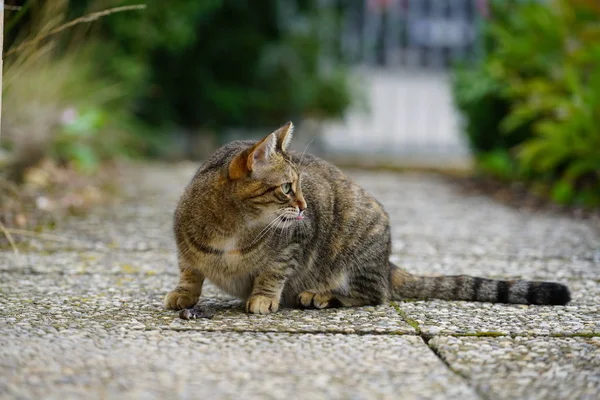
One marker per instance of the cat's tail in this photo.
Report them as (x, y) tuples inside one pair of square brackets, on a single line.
[(470, 288)]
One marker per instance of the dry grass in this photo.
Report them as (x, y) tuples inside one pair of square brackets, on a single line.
[(85, 19), (39, 84), (10, 239)]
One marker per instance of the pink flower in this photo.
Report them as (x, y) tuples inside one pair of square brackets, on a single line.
[(68, 116)]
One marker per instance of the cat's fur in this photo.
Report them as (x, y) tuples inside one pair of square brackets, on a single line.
[(326, 243)]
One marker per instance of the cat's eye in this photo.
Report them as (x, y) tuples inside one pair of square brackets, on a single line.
[(286, 188)]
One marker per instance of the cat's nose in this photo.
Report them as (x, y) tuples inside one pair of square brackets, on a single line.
[(301, 205)]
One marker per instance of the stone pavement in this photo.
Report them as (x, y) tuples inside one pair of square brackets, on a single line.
[(82, 316)]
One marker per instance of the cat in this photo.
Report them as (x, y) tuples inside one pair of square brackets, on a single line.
[(276, 228)]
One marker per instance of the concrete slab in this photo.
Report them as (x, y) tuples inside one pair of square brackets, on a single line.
[(201, 365), (581, 317), (433, 218), (525, 368), (499, 267), (81, 315), (51, 303)]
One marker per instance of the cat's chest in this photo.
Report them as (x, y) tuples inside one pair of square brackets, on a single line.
[(233, 255), (231, 268)]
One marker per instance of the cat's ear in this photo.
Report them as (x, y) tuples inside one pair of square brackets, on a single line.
[(284, 136), (262, 152), (256, 156)]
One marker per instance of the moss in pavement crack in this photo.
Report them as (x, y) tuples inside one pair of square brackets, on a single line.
[(406, 318)]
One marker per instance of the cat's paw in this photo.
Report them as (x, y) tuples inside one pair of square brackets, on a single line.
[(262, 305), (180, 299), (314, 300)]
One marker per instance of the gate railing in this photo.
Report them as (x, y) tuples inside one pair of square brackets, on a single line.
[(402, 50)]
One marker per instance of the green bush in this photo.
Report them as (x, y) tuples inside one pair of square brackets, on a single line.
[(187, 66), (55, 103), (535, 98), (207, 65)]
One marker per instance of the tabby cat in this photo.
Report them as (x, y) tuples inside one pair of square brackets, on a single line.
[(277, 228)]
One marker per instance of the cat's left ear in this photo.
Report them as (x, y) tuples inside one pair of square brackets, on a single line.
[(284, 136), (253, 158)]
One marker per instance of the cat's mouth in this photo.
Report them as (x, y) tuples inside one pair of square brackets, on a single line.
[(295, 216)]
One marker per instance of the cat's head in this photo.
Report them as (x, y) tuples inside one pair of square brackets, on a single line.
[(265, 182)]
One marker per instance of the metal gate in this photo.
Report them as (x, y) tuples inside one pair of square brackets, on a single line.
[(401, 51)]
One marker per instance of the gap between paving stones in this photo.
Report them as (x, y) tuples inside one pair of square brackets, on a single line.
[(422, 335), (468, 381), (462, 376)]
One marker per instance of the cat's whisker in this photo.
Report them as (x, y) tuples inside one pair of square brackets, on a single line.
[(266, 229), (282, 221), (271, 229)]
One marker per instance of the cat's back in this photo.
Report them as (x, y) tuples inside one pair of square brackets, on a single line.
[(330, 192), (220, 159), (313, 168)]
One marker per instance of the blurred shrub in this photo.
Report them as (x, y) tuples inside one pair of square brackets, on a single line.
[(207, 65), (40, 84), (193, 66), (532, 106)]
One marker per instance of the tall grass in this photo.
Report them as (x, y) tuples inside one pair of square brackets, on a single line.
[(45, 78), (55, 107)]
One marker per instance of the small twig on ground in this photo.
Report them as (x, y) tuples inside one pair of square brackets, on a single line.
[(86, 18), (37, 235), (10, 187), (12, 8), (9, 237), (52, 238)]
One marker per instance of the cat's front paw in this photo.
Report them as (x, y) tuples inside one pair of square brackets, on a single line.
[(179, 299), (262, 305)]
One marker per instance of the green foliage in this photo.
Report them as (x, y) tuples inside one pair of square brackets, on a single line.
[(207, 65), (55, 103), (130, 78), (479, 96), (90, 135), (497, 163), (536, 98), (76, 141)]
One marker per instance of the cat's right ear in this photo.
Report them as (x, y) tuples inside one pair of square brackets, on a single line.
[(284, 136), (256, 156)]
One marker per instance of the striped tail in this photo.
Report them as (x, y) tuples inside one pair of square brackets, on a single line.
[(469, 288)]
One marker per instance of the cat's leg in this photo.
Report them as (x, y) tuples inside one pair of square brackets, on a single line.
[(310, 299), (266, 291), (188, 290)]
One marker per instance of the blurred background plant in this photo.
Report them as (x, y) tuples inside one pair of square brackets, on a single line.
[(177, 79), (532, 105), (202, 67), (147, 82)]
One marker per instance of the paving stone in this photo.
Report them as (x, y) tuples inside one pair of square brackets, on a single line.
[(431, 217), (525, 368), (134, 301), (110, 262), (551, 269), (580, 317), (163, 260), (204, 365), (81, 311)]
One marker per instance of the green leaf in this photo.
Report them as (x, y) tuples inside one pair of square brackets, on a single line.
[(562, 192), (579, 168), (87, 123), (83, 157)]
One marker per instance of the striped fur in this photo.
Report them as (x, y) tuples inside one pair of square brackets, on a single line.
[(469, 288), (278, 228)]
